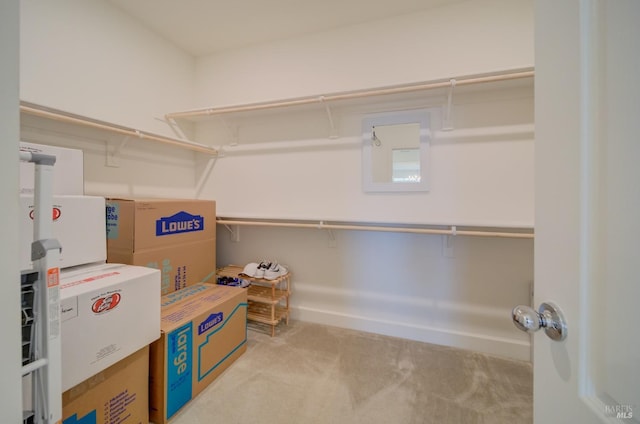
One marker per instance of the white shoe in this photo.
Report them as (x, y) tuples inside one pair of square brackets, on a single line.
[(262, 268), (275, 271), (250, 269)]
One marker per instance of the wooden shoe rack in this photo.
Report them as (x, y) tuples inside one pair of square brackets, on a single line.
[(268, 299)]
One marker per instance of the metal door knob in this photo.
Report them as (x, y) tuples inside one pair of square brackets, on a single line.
[(548, 317)]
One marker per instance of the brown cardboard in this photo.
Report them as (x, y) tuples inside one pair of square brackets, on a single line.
[(180, 265), (176, 236), (120, 393), (138, 224), (204, 331)]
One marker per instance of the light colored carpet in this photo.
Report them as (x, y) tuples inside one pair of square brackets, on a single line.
[(315, 374)]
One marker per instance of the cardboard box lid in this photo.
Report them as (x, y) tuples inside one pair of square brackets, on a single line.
[(186, 304), (75, 282)]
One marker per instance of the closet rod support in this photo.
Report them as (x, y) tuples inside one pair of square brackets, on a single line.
[(332, 128), (112, 156), (234, 132), (448, 119), (235, 232), (206, 173), (332, 238), (175, 128)]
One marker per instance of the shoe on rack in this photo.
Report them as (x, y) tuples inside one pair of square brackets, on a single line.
[(262, 267), (274, 271), (250, 269)]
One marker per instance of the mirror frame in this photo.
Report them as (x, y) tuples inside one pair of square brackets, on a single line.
[(421, 116)]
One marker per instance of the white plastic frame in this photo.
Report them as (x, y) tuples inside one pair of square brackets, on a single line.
[(421, 116)]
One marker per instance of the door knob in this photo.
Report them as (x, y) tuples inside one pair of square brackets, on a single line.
[(548, 317)]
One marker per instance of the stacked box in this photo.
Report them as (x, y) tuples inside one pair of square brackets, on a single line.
[(68, 172), (204, 330), (178, 237), (107, 312), (78, 225), (119, 394)]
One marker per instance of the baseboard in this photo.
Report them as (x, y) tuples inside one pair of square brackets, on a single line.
[(498, 346)]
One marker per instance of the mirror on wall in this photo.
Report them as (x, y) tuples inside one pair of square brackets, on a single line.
[(395, 151)]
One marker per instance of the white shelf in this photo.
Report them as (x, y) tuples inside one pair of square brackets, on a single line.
[(40, 111), (326, 99)]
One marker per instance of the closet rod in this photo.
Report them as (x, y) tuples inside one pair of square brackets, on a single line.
[(116, 129), (350, 95), (452, 231)]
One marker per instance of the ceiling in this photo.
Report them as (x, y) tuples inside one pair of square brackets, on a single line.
[(203, 27)]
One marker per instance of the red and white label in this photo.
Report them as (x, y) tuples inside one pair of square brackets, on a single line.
[(90, 279), (53, 277), (106, 303), (55, 213)]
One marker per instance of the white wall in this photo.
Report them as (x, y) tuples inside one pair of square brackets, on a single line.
[(89, 58), (284, 166), (10, 394), (473, 179), (488, 182), (465, 38), (397, 284), (402, 285)]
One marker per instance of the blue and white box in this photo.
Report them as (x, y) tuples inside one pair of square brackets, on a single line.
[(204, 330)]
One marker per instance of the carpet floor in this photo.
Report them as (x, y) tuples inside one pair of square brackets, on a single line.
[(315, 374)]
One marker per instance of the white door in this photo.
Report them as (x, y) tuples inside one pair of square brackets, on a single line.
[(587, 247)]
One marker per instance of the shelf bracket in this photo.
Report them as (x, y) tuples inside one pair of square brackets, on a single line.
[(112, 156), (447, 243), (206, 172), (332, 238), (330, 234), (448, 118), (175, 128), (234, 133), (333, 134), (235, 232)]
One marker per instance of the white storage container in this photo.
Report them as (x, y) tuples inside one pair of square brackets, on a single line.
[(108, 312), (68, 172), (79, 225)]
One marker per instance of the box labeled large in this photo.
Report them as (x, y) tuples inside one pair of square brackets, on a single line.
[(108, 312), (119, 394), (204, 330), (180, 265), (68, 172), (135, 225), (78, 224)]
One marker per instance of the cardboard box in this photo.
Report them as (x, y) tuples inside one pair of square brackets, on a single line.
[(175, 236), (180, 265), (136, 225), (204, 330), (68, 172), (108, 312), (78, 224), (119, 394)]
